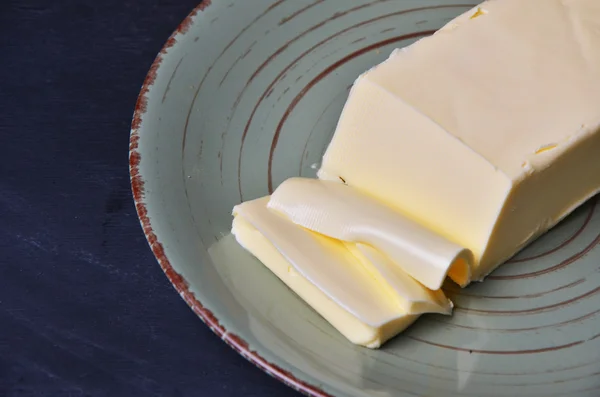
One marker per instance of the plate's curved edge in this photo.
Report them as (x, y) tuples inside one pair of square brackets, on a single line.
[(178, 281)]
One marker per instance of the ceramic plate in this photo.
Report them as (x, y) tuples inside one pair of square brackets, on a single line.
[(246, 94)]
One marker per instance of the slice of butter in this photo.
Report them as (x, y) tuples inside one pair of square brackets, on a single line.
[(344, 213), (349, 292), (487, 132)]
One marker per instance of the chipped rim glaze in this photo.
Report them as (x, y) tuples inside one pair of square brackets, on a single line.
[(180, 284)]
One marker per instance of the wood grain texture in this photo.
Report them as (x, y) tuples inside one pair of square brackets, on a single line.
[(84, 308)]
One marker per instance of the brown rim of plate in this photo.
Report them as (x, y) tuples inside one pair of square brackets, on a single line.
[(180, 284)]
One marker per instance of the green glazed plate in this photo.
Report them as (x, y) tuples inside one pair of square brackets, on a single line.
[(245, 94)]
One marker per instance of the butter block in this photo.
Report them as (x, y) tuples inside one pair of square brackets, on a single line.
[(349, 291), (487, 132), (344, 213)]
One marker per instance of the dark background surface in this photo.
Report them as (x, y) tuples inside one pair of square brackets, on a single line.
[(85, 310)]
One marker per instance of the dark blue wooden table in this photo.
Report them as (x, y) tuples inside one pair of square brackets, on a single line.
[(84, 308)]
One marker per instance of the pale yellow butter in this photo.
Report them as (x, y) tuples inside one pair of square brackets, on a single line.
[(476, 140), (486, 132), (367, 302)]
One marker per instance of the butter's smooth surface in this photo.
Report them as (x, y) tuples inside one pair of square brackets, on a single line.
[(344, 213), (325, 274), (487, 131)]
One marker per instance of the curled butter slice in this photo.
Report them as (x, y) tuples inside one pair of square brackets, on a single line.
[(340, 285), (342, 212)]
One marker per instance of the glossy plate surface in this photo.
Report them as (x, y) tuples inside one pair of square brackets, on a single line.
[(246, 94)]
